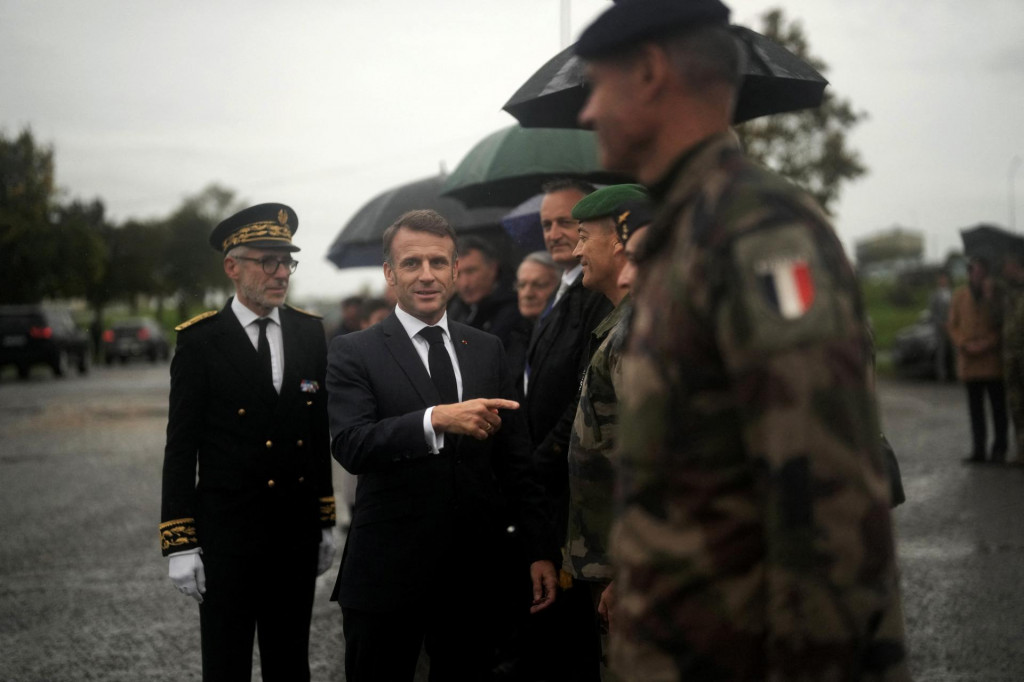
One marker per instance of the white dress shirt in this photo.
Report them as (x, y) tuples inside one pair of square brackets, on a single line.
[(248, 320), (412, 327), (569, 278)]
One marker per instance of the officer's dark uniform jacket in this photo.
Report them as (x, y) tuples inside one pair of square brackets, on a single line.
[(263, 458)]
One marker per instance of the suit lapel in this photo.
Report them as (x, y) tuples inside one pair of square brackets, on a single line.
[(292, 353), (550, 321), (237, 349), (467, 368), (400, 346)]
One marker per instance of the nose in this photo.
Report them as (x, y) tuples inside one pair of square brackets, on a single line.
[(426, 273), (625, 280), (576, 250)]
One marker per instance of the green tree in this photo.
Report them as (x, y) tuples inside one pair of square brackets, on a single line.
[(27, 200), (190, 268), (809, 147), (80, 251), (136, 255)]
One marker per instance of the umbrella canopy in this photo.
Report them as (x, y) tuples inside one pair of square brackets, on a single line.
[(991, 243), (509, 166), (775, 81), (359, 242), (523, 224)]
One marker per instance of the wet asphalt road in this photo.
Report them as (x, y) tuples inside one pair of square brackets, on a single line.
[(84, 593)]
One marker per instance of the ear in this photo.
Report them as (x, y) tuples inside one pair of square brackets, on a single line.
[(389, 274), (231, 268), (653, 71)]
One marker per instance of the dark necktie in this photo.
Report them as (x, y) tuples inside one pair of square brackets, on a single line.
[(263, 352), (440, 364)]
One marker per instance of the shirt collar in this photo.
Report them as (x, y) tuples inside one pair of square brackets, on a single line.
[(569, 276), (247, 317), (413, 325)]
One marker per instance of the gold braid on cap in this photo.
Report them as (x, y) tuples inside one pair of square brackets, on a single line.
[(623, 226), (264, 231)]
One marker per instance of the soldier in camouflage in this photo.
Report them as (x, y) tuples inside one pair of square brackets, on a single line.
[(605, 220), (752, 538)]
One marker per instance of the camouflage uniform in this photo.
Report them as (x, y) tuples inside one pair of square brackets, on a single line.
[(591, 473), (1013, 360), (591, 483), (752, 539)]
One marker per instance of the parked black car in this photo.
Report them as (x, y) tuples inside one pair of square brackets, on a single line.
[(923, 350), (141, 337), (34, 334)]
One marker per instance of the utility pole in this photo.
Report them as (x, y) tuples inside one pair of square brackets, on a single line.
[(1010, 176)]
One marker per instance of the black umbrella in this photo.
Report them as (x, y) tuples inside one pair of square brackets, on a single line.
[(358, 243), (775, 81), (991, 243)]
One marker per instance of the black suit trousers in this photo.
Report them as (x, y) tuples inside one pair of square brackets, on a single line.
[(276, 604), (456, 630)]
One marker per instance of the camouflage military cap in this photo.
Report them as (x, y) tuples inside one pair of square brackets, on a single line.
[(629, 22)]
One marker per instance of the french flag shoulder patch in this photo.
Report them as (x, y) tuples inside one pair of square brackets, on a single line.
[(787, 285)]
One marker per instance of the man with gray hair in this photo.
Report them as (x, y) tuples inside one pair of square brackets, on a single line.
[(248, 409), (752, 538), (536, 280)]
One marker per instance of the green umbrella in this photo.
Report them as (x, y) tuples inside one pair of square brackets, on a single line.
[(509, 166)]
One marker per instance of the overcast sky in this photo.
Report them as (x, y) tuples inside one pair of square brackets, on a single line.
[(322, 105)]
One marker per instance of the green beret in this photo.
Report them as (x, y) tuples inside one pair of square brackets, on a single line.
[(607, 202), (633, 215), (630, 22), (265, 226)]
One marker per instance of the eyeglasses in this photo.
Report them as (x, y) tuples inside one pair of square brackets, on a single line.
[(271, 264)]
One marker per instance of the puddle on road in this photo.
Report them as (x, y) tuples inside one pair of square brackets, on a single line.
[(67, 416), (942, 549)]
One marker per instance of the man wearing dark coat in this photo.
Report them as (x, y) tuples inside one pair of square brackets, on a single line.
[(422, 410), (483, 300), (559, 350), (248, 407)]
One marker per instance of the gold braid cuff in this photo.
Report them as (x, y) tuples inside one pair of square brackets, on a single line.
[(328, 513), (178, 534)]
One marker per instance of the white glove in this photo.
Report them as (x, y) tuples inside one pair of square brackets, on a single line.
[(326, 550), (187, 573)]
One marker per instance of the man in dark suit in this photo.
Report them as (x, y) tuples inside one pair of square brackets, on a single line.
[(559, 351), (248, 405), (422, 410), (559, 346)]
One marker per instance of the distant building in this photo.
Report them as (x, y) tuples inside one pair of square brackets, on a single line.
[(890, 252)]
